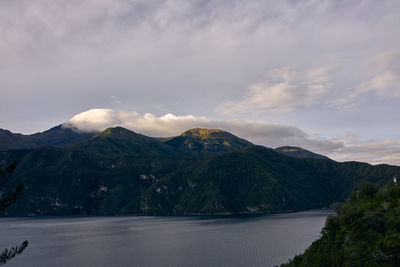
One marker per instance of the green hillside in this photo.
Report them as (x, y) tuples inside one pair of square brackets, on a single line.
[(365, 232), (97, 176), (256, 179), (119, 171), (118, 140), (206, 141)]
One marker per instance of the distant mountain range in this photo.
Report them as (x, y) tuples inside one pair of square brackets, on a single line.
[(57, 136), (197, 141), (202, 171)]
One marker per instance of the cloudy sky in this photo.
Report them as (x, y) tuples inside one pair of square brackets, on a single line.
[(324, 75)]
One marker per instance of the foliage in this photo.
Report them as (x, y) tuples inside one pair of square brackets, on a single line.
[(11, 198), (14, 195), (206, 141), (365, 232), (119, 171), (255, 179), (9, 168), (8, 254)]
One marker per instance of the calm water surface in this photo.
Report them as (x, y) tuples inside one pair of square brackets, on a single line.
[(161, 241)]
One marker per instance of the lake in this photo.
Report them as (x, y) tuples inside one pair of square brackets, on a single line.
[(266, 240)]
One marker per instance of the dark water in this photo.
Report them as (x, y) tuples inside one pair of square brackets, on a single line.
[(161, 241)]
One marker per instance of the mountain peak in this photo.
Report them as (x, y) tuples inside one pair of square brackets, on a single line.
[(116, 140), (203, 140), (201, 132), (117, 131), (58, 136)]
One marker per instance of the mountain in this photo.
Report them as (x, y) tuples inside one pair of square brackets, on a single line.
[(365, 232), (58, 136), (122, 172), (118, 140), (298, 152), (256, 179), (206, 141), (97, 176)]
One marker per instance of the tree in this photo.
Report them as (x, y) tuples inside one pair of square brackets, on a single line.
[(11, 198), (365, 232)]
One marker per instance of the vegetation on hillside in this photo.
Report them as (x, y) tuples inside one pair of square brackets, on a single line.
[(119, 171), (200, 141), (256, 180), (8, 254), (365, 232)]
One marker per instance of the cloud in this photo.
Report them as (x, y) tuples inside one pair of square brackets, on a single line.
[(383, 70), (115, 100), (262, 133), (188, 57), (95, 120), (62, 53), (374, 152), (386, 84), (269, 134), (386, 79), (283, 91)]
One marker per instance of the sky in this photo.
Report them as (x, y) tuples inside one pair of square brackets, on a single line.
[(323, 75)]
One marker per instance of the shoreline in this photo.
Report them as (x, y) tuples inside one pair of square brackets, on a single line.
[(221, 214)]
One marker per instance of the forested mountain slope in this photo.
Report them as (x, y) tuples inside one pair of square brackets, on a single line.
[(119, 171), (365, 232)]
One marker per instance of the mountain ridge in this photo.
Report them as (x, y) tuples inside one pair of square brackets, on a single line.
[(207, 141), (122, 172), (299, 152), (57, 136)]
